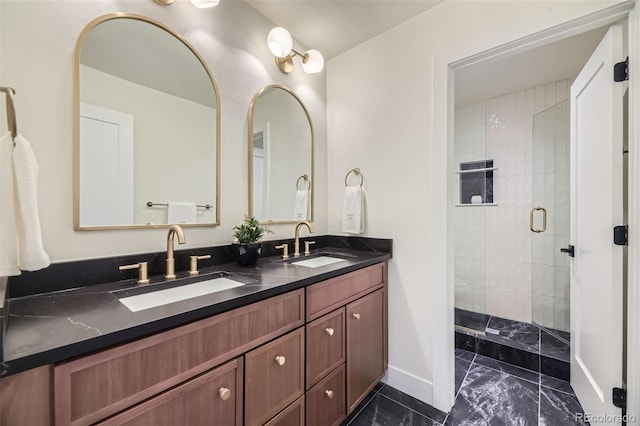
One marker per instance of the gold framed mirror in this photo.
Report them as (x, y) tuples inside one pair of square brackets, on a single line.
[(146, 129), (281, 146)]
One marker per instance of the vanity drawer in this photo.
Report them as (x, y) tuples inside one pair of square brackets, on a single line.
[(326, 402), (274, 377), (94, 387), (293, 415), (328, 295), (325, 345), (212, 398)]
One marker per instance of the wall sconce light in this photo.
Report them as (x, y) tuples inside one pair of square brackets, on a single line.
[(197, 3), (281, 45)]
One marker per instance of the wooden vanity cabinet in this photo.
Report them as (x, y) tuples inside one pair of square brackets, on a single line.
[(211, 398), (256, 352)]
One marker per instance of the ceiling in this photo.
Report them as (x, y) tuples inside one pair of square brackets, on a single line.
[(335, 26), (553, 62)]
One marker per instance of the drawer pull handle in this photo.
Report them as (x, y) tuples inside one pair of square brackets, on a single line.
[(329, 331), (224, 393), (356, 316), (280, 360), (329, 393)]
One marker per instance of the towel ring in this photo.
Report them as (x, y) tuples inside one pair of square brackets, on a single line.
[(304, 177), (355, 171), (11, 111)]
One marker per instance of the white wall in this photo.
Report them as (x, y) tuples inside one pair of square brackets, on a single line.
[(387, 114), (501, 267), (37, 41)]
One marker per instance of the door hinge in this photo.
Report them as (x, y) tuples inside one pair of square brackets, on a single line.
[(621, 70), (621, 235), (570, 250), (620, 398)]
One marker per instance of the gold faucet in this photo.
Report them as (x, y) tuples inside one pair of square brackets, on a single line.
[(171, 262), (296, 243)]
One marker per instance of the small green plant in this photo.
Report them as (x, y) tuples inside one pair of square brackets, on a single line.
[(249, 231)]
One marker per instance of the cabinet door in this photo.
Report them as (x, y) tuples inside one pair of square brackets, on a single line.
[(326, 400), (274, 377), (325, 345), (212, 398), (366, 346)]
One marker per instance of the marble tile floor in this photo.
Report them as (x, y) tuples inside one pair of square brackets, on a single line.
[(488, 392), (522, 344)]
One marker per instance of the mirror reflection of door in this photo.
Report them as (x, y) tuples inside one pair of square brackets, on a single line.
[(106, 167)]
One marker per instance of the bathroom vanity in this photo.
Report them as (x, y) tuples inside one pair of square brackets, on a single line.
[(294, 345)]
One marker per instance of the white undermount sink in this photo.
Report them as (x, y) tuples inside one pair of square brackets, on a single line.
[(316, 262), (153, 299)]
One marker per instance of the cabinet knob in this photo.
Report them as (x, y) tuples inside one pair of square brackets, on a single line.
[(329, 331), (329, 393), (356, 316), (280, 360), (224, 393)]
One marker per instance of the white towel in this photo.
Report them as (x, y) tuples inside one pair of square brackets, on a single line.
[(353, 211), (181, 213), (8, 236), (25, 168), (301, 209)]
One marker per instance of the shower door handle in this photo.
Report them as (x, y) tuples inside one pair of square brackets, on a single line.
[(570, 250), (544, 219)]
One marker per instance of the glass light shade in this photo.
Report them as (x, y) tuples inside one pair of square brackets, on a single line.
[(280, 42), (314, 62), (205, 3)]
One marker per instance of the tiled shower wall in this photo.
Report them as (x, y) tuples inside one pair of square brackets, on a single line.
[(496, 259)]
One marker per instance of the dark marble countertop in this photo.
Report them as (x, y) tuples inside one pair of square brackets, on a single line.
[(52, 327)]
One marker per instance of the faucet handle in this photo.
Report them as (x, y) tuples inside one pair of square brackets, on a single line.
[(193, 270), (285, 250), (307, 245), (142, 267)]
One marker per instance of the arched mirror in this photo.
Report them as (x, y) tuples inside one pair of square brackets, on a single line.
[(280, 157), (147, 126)]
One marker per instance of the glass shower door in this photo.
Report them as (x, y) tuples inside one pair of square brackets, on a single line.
[(550, 204)]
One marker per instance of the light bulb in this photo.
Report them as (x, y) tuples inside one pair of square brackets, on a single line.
[(205, 3), (313, 62), (280, 42)]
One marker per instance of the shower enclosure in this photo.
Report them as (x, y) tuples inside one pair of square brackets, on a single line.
[(511, 215)]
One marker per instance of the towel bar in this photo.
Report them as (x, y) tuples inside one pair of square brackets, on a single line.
[(202, 206), (355, 171)]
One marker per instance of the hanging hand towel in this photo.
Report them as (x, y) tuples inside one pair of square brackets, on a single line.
[(25, 169), (8, 236), (353, 211), (302, 205), (181, 213)]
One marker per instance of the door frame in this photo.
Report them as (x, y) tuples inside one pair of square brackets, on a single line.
[(443, 129)]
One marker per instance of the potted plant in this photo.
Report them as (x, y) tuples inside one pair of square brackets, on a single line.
[(248, 240)]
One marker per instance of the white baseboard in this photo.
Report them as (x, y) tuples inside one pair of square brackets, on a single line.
[(415, 386)]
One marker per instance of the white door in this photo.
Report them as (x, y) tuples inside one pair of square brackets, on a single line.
[(596, 207), (106, 167)]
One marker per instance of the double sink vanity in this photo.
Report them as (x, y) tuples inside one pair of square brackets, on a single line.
[(284, 342)]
